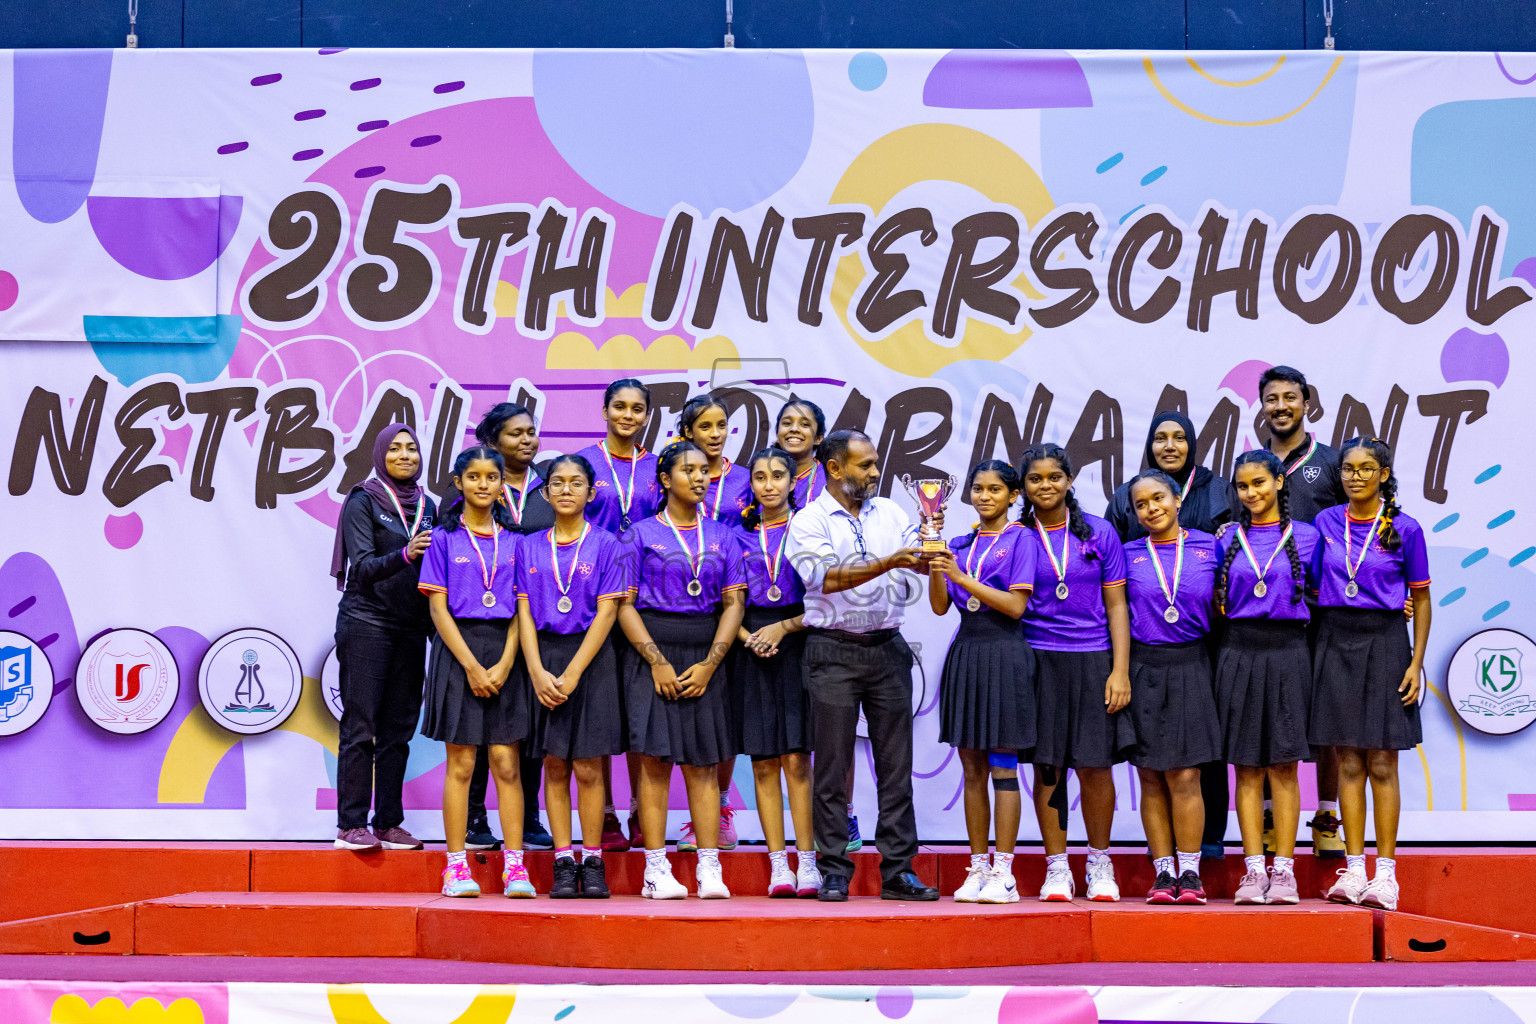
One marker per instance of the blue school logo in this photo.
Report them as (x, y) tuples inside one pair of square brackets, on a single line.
[(26, 683), (1487, 682)]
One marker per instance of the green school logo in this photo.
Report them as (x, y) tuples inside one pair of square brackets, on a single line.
[(1486, 682)]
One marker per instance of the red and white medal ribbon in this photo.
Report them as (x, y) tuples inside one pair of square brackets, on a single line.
[(1351, 565), (695, 588), (1261, 588), (564, 604), (974, 604), (626, 498), (487, 576), (1171, 613), (772, 565), (421, 508), (1066, 553)]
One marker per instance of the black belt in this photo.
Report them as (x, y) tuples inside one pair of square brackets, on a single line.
[(878, 637)]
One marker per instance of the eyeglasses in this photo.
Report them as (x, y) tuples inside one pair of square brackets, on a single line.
[(858, 536), (1360, 473)]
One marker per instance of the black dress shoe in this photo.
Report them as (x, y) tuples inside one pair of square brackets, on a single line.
[(565, 886), (594, 879), (907, 886), (834, 889)]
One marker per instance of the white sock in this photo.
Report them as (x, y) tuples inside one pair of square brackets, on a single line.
[(656, 860), (1189, 862), (1355, 862), (1002, 863), (979, 860), (709, 857), (514, 856), (1255, 863), (1386, 868), (1331, 806), (1163, 865), (1097, 856), (806, 862), (1056, 860), (1285, 865), (458, 858), (778, 860)]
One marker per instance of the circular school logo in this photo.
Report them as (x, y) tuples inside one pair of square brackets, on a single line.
[(127, 681), (330, 683), (1488, 684), (26, 683), (250, 681)]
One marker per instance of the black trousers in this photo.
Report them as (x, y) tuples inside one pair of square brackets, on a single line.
[(531, 772), (842, 676), (382, 672)]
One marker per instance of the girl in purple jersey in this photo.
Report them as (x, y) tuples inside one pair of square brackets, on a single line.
[(625, 492), (1080, 631), (686, 593), (768, 675), (1263, 672), (473, 695), (570, 583), (703, 421), (801, 426), (1365, 693), (1171, 579), (987, 695)]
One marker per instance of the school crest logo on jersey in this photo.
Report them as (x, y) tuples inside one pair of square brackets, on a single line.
[(1311, 473), (1487, 682)]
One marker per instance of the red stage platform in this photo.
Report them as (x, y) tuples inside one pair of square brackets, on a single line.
[(307, 900)]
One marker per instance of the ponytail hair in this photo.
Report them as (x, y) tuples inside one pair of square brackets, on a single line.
[(1005, 472), (1386, 533), (452, 517), (693, 409), (623, 384), (579, 461), (809, 406), (1079, 523), (668, 456), (752, 515), (1271, 463)]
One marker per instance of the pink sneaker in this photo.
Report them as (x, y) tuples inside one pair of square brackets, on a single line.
[(1282, 887), (1253, 888), (727, 829)]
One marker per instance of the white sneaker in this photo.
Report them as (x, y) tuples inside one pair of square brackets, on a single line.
[(782, 884), (1349, 888), (660, 885), (1059, 886), (711, 884), (975, 878), (1381, 893), (808, 878), (1000, 887), (1101, 881)]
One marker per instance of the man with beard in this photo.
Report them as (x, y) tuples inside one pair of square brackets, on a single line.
[(842, 544)]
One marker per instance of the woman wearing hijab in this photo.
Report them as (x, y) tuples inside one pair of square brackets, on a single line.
[(382, 625), (1206, 502)]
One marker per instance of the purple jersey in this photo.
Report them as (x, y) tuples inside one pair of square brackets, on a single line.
[(452, 565), (606, 510), (1003, 561), (728, 494), (662, 571), (758, 566), (1263, 538), (1197, 582), (1078, 623), (809, 485), (1384, 577), (597, 574)]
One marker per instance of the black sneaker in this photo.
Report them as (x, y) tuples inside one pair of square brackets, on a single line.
[(535, 835), (594, 879), (479, 837), (834, 889), (567, 884)]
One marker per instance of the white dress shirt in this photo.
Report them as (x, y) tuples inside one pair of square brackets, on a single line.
[(824, 535)]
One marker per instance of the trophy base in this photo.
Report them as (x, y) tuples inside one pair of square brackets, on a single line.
[(934, 546)]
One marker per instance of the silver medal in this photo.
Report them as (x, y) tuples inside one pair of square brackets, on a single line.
[(1171, 614), (973, 605), (488, 599), (1061, 591), (1260, 589), (563, 605), (774, 593), (695, 588), (1351, 589)]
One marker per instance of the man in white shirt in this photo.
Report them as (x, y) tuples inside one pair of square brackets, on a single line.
[(857, 554)]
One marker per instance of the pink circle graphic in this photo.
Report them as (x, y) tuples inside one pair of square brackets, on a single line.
[(123, 532)]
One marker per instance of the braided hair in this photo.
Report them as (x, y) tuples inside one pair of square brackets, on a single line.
[(1386, 533), (752, 515), (453, 516), (1272, 464), (1079, 522)]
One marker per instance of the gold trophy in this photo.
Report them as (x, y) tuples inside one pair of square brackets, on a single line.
[(929, 495)]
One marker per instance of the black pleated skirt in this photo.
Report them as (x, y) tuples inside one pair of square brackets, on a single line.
[(1361, 657), (453, 713), (591, 722), (773, 706), (987, 694), (1264, 692), (688, 730), (1173, 704), (1072, 728)]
